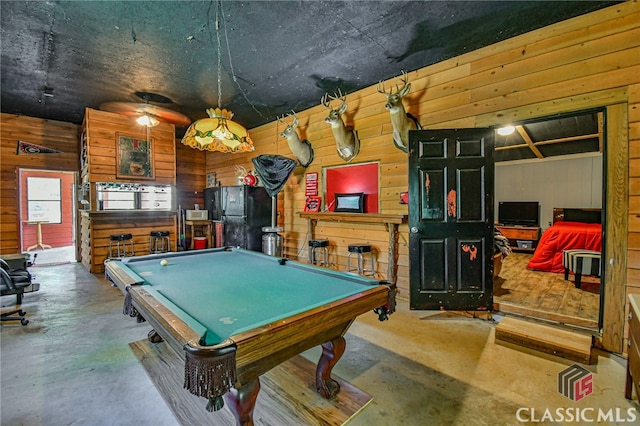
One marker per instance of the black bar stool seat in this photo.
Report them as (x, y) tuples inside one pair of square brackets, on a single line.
[(159, 242), (118, 246), (361, 250), (323, 246)]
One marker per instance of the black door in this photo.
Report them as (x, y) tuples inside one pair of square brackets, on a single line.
[(451, 179)]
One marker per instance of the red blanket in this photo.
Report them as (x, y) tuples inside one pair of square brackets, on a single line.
[(564, 236)]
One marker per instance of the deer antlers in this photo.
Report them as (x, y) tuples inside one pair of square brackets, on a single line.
[(401, 121), (300, 148), (326, 101), (404, 79), (293, 125), (347, 142)]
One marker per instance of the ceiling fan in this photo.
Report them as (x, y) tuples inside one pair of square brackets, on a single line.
[(148, 114)]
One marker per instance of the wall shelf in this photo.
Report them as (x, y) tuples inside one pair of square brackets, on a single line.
[(391, 221)]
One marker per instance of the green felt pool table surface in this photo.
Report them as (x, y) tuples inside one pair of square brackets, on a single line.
[(222, 292), (235, 314)]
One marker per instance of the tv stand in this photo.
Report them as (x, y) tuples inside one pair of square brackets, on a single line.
[(527, 235)]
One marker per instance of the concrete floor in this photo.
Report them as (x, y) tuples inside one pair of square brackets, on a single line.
[(53, 256), (72, 365)]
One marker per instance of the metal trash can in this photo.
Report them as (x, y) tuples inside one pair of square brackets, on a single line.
[(272, 241)]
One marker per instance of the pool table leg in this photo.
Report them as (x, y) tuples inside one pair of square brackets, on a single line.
[(242, 401), (331, 353)]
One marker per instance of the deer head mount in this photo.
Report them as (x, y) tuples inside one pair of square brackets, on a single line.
[(401, 120), (302, 149), (347, 142)]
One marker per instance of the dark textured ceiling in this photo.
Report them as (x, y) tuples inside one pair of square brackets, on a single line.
[(59, 57)]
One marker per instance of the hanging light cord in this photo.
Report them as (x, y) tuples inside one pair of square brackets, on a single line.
[(233, 74), (218, 10)]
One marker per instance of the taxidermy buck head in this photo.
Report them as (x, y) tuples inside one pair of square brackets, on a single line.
[(402, 121), (346, 138), (302, 149)]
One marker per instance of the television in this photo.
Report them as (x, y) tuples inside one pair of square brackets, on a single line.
[(350, 203), (519, 213)]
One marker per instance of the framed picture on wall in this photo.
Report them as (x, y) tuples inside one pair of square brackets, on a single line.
[(312, 204), (211, 180), (134, 159)]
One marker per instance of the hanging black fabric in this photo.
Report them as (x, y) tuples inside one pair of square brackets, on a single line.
[(273, 171)]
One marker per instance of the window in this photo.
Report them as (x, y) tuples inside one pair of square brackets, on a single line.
[(44, 199)]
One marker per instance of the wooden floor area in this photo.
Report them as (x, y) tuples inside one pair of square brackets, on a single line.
[(287, 393), (546, 295)]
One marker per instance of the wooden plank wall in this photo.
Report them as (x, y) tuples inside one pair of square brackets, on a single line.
[(51, 134), (191, 177), (586, 62), (97, 228), (191, 180), (175, 164), (101, 131)]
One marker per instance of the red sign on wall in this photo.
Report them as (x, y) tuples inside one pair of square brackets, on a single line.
[(311, 182)]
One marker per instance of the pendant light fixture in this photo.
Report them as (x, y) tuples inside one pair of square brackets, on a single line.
[(218, 132)]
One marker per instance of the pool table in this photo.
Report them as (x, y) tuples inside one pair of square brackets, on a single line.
[(234, 314)]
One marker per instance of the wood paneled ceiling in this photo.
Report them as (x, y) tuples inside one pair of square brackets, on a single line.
[(59, 57)]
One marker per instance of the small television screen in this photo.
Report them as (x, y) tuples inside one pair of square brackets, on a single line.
[(350, 203), (519, 213)]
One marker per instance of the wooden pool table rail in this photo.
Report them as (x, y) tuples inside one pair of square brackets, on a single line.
[(174, 331)]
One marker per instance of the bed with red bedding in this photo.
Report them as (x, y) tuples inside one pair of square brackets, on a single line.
[(565, 235)]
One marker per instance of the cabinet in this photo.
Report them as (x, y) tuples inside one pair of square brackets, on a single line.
[(527, 236)]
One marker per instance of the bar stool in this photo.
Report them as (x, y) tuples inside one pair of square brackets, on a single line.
[(118, 242), (322, 245), (159, 242), (360, 250)]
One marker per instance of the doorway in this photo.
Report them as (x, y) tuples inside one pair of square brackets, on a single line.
[(47, 216), (556, 163)]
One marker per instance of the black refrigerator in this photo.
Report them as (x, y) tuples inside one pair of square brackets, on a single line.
[(243, 210)]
